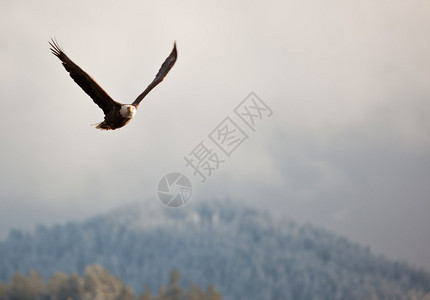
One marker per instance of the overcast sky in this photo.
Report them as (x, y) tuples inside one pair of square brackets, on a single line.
[(346, 148)]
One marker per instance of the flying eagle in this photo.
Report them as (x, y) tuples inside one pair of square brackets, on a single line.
[(117, 115)]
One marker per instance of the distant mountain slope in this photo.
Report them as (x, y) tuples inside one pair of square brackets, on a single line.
[(245, 253)]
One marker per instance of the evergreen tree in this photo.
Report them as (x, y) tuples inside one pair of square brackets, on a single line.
[(146, 294), (75, 287), (126, 294), (195, 292), (58, 285), (3, 289), (212, 293), (100, 284), (25, 288), (174, 291), (162, 294)]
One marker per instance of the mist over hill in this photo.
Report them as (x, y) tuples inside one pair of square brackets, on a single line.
[(246, 253)]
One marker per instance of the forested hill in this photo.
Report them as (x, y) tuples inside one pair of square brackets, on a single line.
[(246, 254)]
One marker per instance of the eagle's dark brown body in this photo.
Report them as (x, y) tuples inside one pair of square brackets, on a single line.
[(117, 115), (113, 121)]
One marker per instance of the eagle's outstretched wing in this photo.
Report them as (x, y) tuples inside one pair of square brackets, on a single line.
[(165, 68), (99, 96)]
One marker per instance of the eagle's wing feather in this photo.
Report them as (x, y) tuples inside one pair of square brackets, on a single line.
[(165, 68), (88, 84)]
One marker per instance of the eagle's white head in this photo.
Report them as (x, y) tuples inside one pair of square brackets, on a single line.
[(127, 111)]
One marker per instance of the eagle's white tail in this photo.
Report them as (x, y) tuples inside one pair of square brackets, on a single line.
[(101, 126)]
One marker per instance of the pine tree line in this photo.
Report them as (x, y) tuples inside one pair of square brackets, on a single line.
[(96, 284)]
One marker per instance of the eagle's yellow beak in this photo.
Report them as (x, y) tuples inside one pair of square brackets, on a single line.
[(130, 108)]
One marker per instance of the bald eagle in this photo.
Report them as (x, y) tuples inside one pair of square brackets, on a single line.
[(117, 115)]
